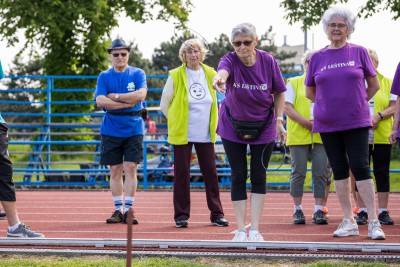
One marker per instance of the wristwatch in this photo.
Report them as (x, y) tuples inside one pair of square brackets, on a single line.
[(117, 97)]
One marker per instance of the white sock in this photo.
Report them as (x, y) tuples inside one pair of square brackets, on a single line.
[(128, 203), (298, 207), (118, 203), (317, 208), (14, 227), (382, 209)]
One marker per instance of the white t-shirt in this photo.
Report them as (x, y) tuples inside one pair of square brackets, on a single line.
[(200, 102)]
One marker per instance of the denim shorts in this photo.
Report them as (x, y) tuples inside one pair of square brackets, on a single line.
[(116, 150)]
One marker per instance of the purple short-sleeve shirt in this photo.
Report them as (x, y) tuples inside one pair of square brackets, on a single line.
[(396, 88), (249, 94), (341, 96)]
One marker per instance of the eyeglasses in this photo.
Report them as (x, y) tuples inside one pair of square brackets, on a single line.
[(338, 26), (239, 43), (117, 54), (192, 52)]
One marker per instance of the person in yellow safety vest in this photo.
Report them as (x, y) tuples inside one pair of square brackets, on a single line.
[(303, 144), (382, 107)]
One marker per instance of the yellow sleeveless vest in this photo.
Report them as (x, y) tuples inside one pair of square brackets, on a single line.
[(381, 102), (296, 133), (178, 111)]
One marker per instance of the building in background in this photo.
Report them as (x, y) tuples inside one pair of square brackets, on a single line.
[(296, 60)]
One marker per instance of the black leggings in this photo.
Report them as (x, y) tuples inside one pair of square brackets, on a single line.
[(237, 156), (348, 150), (380, 154)]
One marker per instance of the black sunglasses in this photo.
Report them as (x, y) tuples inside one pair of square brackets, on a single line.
[(239, 43), (117, 54)]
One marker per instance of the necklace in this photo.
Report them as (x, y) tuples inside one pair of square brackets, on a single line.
[(196, 89), (193, 78)]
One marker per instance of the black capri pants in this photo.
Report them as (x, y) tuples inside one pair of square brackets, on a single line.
[(7, 190), (348, 150), (380, 154), (237, 157)]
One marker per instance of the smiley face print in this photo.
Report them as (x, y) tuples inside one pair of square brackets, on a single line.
[(197, 91)]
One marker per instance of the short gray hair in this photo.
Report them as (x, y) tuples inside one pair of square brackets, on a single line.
[(244, 29), (341, 12), (190, 44)]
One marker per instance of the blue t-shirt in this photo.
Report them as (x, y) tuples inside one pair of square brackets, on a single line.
[(130, 80)]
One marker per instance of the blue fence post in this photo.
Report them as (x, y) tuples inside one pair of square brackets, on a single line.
[(145, 164), (49, 89)]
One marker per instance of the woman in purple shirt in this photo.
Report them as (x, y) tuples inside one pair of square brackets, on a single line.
[(335, 81), (396, 91), (254, 93)]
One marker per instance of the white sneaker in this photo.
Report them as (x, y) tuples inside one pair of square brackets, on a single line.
[(375, 230), (240, 236), (346, 228), (255, 236)]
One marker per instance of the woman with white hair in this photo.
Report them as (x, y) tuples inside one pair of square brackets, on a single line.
[(190, 105), (335, 82), (251, 114)]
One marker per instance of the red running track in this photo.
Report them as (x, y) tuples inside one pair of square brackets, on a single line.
[(82, 214)]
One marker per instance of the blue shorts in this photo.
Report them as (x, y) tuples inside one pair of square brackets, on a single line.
[(116, 150)]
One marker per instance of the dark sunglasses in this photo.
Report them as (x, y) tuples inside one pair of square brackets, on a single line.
[(239, 43), (117, 54)]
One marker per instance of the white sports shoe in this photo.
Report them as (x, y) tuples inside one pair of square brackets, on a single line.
[(346, 228), (255, 236), (375, 230), (240, 236)]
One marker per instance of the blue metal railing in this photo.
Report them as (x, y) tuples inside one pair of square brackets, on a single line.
[(43, 144)]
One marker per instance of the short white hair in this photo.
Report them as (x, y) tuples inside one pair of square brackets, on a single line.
[(341, 12)]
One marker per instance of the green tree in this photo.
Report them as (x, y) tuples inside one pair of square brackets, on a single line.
[(73, 35), (310, 12), (33, 67), (166, 57), (218, 49)]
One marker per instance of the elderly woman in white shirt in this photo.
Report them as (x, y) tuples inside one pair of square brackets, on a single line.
[(189, 102)]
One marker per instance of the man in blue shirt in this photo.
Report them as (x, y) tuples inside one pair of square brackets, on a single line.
[(7, 190), (120, 92)]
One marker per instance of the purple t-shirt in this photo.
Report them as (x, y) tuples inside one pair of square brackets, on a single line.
[(396, 89), (341, 96), (249, 95)]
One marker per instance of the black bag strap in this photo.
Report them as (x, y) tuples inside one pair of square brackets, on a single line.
[(264, 122)]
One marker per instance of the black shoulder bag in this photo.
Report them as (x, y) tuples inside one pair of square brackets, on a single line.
[(249, 130)]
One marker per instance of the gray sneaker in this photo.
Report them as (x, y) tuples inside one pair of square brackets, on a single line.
[(24, 231)]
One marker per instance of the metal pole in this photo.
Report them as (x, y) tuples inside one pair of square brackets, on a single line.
[(129, 239), (305, 40)]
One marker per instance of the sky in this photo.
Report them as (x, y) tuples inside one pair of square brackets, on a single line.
[(210, 18)]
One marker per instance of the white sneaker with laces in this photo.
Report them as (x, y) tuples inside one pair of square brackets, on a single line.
[(375, 231), (240, 236), (346, 228), (255, 236)]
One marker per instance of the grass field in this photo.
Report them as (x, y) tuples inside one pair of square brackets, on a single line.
[(23, 260)]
